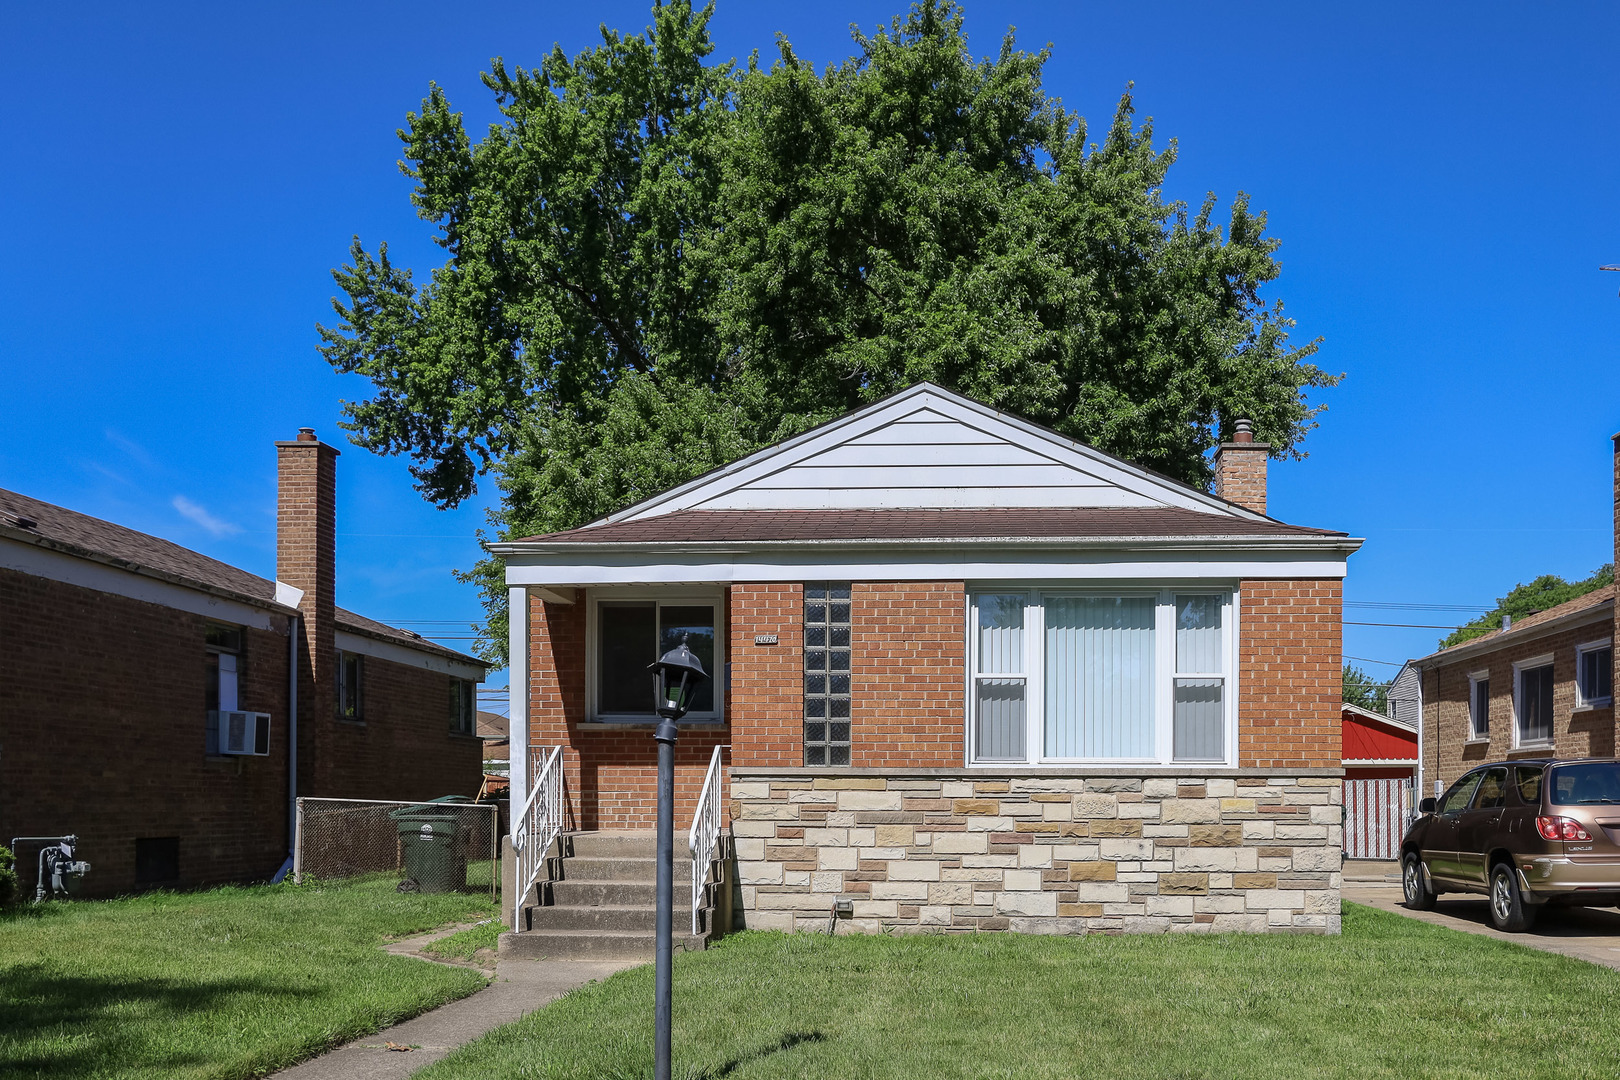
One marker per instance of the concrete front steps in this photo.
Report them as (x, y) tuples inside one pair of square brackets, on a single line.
[(599, 901)]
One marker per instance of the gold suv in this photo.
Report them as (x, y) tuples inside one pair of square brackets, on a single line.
[(1525, 833)]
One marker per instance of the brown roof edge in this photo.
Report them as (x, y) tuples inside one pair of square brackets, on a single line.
[(1012, 524), (371, 628), (1531, 626)]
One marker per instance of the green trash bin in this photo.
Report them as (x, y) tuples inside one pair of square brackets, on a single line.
[(433, 844)]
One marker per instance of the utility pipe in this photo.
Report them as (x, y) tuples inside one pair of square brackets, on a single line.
[(292, 735), (39, 873)]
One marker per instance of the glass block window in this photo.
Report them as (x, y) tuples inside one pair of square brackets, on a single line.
[(826, 673)]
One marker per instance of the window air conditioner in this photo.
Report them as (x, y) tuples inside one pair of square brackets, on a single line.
[(243, 732)]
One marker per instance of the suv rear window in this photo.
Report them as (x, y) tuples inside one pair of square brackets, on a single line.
[(1587, 784), (1527, 778)]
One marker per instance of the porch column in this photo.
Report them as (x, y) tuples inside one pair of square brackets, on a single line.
[(517, 692)]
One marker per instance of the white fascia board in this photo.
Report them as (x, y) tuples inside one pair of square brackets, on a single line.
[(349, 641), (1387, 763), (44, 562), (951, 406), (679, 566)]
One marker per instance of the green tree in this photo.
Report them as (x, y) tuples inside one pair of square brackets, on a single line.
[(657, 264), (1546, 591), (1360, 689)]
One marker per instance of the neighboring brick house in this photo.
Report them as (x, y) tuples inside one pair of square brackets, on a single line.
[(1539, 685), (971, 675), (120, 650)]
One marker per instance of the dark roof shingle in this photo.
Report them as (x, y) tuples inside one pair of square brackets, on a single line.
[(91, 537), (696, 526)]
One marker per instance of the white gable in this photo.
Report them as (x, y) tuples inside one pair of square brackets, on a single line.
[(927, 448)]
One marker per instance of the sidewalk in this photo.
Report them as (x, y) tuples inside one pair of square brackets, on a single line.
[(519, 988), (1590, 934)]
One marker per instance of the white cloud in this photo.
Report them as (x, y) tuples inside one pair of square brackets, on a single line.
[(192, 512)]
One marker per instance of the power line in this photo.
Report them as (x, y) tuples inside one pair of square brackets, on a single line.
[(1406, 625)]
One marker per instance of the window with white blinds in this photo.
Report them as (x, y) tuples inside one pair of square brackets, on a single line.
[(1070, 676)]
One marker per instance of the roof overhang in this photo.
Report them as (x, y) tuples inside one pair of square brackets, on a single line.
[(1600, 612), (541, 563), (1379, 718), (45, 543)]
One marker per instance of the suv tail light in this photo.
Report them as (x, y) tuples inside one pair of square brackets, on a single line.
[(1561, 828)]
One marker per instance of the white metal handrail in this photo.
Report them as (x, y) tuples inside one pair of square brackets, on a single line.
[(534, 830), (705, 835)]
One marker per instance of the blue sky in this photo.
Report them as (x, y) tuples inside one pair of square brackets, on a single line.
[(180, 178)]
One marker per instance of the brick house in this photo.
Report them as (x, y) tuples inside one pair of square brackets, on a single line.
[(121, 650), (1539, 685), (968, 674)]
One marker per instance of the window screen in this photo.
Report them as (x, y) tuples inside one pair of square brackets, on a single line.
[(633, 634), (826, 673), (351, 675), (157, 860), (1596, 675), (1479, 707), (1536, 704)]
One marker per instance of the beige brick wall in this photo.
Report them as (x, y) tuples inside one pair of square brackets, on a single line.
[(1447, 750), (1062, 854)]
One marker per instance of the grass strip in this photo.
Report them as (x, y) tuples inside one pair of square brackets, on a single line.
[(223, 984), (463, 944), (1391, 997)]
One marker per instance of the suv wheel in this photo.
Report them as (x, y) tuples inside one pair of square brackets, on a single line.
[(1418, 896), (1509, 912)]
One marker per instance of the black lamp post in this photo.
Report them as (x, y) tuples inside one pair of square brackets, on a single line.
[(678, 676)]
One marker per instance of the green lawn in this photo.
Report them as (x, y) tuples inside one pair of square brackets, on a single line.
[(465, 944), (1392, 997), (226, 983)]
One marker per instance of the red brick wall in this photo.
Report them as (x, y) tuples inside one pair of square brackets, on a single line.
[(1289, 681), (1447, 750), (402, 748), (104, 701), (767, 681), (611, 773), (908, 656)]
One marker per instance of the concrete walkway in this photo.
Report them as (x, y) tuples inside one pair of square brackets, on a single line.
[(1591, 934), (519, 988)]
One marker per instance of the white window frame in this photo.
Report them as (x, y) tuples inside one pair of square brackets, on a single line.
[(685, 596), (1581, 652), (1474, 679), (1519, 668), (1164, 667)]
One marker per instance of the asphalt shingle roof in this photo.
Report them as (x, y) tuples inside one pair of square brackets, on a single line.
[(90, 537), (691, 526)]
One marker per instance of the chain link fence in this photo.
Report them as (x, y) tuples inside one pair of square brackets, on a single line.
[(424, 846)]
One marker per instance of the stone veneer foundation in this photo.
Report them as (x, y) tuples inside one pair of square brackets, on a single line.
[(1056, 852)]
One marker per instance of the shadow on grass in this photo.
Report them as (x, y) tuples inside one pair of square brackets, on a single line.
[(719, 1072), (88, 1025)]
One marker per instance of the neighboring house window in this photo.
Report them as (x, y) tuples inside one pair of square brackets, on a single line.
[(222, 677), (351, 677), (1064, 676), (1594, 673), (1479, 705), (463, 710), (1533, 701), (630, 633), (826, 673)]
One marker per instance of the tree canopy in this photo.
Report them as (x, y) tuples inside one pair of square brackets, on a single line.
[(1360, 689), (657, 263), (1546, 591)]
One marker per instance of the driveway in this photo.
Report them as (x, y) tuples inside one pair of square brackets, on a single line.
[(1591, 934)]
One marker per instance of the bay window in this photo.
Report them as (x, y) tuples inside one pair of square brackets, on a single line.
[(629, 631), (1070, 676)]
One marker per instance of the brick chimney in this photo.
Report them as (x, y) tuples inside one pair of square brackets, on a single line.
[(306, 558), (1240, 469)]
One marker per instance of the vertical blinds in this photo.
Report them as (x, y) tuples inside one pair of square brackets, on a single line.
[(1099, 676)]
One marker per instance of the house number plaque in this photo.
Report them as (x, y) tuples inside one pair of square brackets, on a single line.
[(764, 639)]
